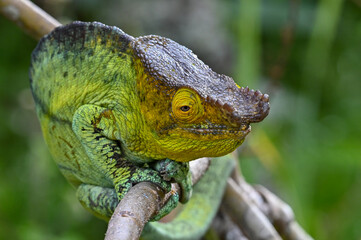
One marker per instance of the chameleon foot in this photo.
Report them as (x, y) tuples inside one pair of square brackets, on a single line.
[(149, 175), (179, 173), (102, 201)]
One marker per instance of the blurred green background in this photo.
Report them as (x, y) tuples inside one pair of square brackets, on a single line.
[(305, 54)]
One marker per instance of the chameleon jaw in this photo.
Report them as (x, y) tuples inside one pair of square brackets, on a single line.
[(222, 132)]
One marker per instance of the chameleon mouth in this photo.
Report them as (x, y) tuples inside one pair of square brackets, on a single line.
[(213, 131), (221, 130)]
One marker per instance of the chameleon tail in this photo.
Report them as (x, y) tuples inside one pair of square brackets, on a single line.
[(198, 213)]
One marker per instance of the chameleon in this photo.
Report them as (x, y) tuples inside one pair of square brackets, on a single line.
[(116, 110)]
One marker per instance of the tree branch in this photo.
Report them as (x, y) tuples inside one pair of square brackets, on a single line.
[(143, 201), (28, 17), (134, 211), (281, 215), (246, 215), (249, 205), (260, 214)]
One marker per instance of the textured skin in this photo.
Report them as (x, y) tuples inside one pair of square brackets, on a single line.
[(117, 110), (193, 221)]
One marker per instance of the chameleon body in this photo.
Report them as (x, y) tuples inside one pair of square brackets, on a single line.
[(115, 109)]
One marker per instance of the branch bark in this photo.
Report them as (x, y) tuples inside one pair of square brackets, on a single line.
[(134, 211), (28, 17), (142, 202), (246, 215)]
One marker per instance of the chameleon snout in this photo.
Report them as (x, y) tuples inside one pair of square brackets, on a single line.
[(253, 107)]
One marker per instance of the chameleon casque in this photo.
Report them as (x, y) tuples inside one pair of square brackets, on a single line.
[(117, 110)]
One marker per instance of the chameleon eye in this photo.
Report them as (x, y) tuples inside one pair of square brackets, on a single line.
[(186, 105), (185, 108)]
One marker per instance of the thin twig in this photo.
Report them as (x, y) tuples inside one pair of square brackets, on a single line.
[(246, 215), (255, 209), (225, 227), (28, 17), (282, 216)]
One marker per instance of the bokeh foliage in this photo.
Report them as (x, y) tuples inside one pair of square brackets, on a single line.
[(305, 54)]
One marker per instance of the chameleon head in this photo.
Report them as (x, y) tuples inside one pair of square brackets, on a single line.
[(190, 110)]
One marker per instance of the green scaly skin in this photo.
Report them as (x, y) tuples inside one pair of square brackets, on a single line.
[(193, 221), (117, 110)]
